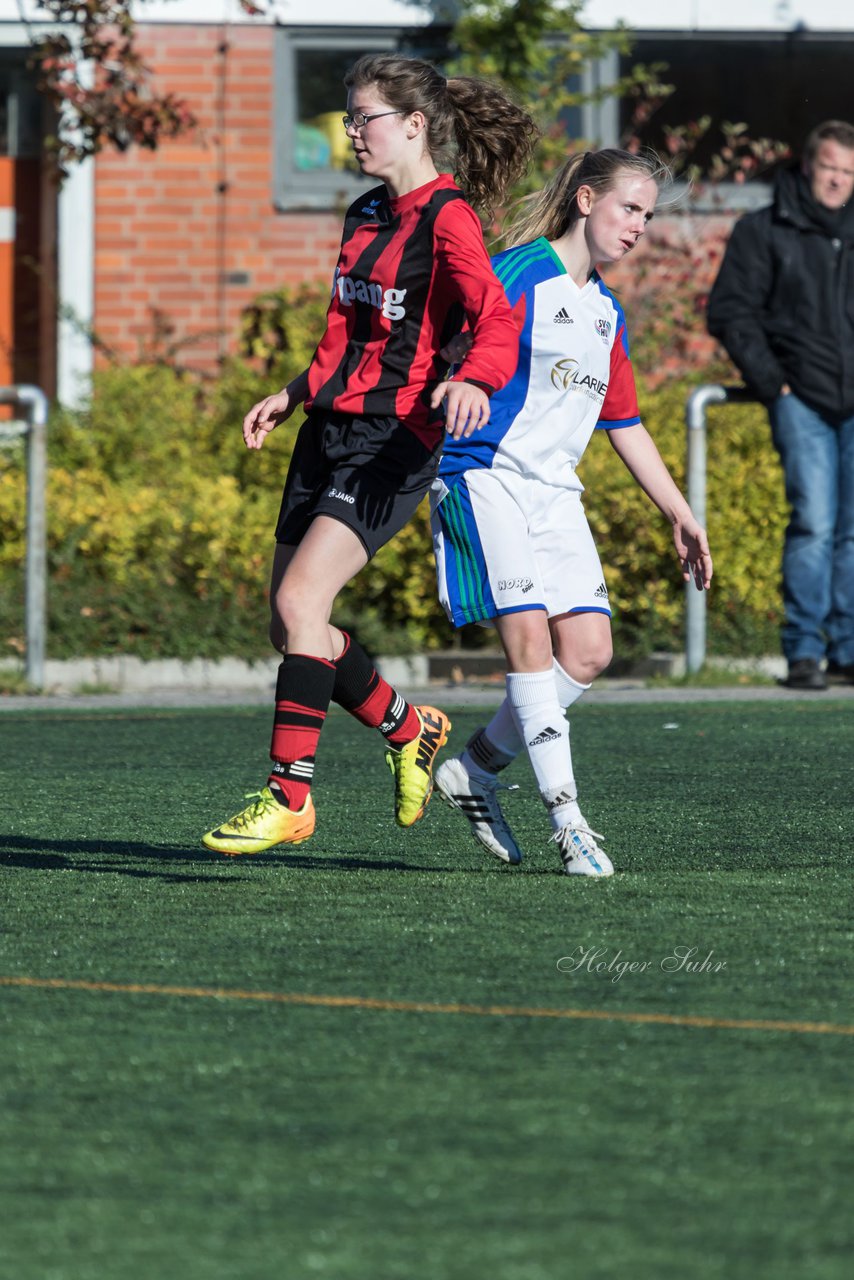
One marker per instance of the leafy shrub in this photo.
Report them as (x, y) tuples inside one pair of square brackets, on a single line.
[(160, 524), (745, 518)]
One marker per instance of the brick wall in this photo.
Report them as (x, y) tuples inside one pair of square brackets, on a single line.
[(171, 246), (169, 242)]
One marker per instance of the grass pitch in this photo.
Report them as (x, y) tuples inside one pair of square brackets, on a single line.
[(384, 1056)]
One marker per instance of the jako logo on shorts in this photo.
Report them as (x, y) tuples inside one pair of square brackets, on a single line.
[(388, 301)]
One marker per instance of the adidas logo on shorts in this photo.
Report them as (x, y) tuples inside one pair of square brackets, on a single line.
[(601, 592), (563, 317), (548, 735)]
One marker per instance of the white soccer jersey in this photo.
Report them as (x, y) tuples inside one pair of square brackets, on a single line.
[(574, 374)]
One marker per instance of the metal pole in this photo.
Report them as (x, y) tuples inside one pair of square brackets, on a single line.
[(36, 574), (695, 601), (695, 418), (35, 590)]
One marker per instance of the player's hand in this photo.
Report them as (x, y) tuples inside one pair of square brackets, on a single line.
[(692, 547), (466, 407), (265, 416)]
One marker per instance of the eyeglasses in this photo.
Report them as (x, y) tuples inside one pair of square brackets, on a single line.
[(358, 120)]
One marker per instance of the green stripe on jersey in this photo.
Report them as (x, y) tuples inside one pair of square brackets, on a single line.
[(510, 270)]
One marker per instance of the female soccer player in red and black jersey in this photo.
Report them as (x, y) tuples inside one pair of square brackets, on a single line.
[(412, 269)]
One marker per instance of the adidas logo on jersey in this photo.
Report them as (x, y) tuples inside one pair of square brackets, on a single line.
[(548, 735), (601, 592), (563, 317)]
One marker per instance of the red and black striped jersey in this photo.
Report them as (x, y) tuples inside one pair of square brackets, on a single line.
[(411, 271)]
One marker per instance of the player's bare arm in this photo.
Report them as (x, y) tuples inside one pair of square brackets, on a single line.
[(267, 414), (639, 453)]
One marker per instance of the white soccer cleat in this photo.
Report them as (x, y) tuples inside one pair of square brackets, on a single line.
[(580, 853), (479, 802)]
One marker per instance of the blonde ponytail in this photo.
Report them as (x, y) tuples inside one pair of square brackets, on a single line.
[(554, 210)]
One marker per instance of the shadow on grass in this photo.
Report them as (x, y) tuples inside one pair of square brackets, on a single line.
[(71, 855), (36, 855)]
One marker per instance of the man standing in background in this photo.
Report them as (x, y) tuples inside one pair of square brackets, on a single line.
[(783, 307)]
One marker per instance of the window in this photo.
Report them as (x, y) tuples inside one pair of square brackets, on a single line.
[(313, 161), (20, 107), (779, 84)]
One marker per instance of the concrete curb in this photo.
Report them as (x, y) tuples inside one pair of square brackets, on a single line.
[(123, 674), (127, 683)]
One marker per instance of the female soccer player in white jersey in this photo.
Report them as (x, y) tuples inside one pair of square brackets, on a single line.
[(511, 539)]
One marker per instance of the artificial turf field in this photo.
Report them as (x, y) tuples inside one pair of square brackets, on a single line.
[(362, 1059)]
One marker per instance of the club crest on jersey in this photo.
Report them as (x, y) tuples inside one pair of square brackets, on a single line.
[(603, 328), (388, 301), (566, 376)]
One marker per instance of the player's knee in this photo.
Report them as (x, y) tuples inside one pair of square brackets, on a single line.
[(294, 605), (587, 661), (598, 659)]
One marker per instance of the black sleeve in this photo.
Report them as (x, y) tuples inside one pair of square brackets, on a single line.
[(738, 306)]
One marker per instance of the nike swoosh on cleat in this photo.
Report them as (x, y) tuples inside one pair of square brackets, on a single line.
[(222, 835)]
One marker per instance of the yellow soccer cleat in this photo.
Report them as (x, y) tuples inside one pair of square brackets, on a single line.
[(412, 766), (262, 824)]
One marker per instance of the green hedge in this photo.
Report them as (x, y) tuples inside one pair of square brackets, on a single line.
[(745, 517), (161, 529)]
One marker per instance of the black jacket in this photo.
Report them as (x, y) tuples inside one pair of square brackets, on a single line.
[(783, 302)]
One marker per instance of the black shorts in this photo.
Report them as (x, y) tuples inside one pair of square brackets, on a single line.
[(369, 473)]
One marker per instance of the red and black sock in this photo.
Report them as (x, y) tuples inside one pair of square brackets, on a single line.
[(361, 690), (303, 693)]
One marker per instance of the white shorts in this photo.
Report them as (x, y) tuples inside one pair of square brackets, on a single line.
[(504, 544)]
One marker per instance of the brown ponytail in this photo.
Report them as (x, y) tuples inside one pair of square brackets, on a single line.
[(495, 140), (471, 124)]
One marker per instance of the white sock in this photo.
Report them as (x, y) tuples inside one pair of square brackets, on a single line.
[(543, 728), (502, 732), (482, 759), (568, 690)]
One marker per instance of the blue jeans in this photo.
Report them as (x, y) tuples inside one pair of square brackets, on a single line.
[(818, 554)]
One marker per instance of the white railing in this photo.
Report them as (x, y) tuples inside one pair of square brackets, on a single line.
[(33, 427)]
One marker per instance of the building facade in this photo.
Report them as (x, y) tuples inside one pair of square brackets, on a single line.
[(144, 253)]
